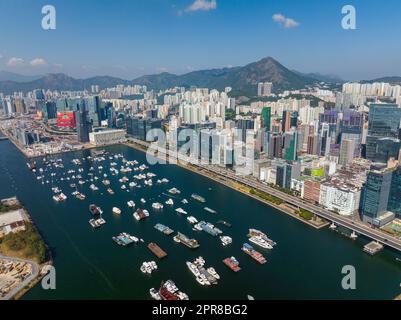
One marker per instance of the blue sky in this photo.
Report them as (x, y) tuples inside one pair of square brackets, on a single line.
[(129, 38)]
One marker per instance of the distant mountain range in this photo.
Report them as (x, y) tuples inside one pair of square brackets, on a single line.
[(10, 76), (393, 80), (243, 80)]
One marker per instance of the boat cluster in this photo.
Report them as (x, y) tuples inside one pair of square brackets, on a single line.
[(202, 275), (130, 175), (148, 267)]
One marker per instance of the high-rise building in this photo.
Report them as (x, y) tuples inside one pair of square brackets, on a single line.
[(286, 121), (313, 144), (275, 145), (139, 128), (394, 201), (50, 110), (375, 194), (266, 118), (244, 125), (265, 89), (346, 152), (384, 122), (93, 107), (324, 140), (290, 145), (83, 126), (19, 105)]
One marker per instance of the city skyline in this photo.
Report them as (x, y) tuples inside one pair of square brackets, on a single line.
[(116, 39)]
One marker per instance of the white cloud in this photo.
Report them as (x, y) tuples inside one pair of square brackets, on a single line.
[(284, 21), (202, 5), (14, 61), (38, 62)]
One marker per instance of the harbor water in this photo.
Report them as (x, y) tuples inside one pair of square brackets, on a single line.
[(305, 264)]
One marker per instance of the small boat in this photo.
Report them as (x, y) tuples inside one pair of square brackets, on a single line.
[(226, 240), (210, 210), (131, 204), (143, 201), (174, 191), (93, 187), (198, 198), (180, 210), (157, 206), (170, 202), (192, 220), (333, 226), (116, 210)]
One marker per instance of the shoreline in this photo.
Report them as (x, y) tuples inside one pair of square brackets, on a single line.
[(36, 265), (283, 208)]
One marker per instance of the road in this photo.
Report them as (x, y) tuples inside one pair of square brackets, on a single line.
[(35, 273), (347, 222)]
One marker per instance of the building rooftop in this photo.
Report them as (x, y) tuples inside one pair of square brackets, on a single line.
[(11, 217)]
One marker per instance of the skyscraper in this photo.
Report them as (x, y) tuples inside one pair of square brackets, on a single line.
[(394, 201), (290, 145), (375, 194), (83, 126), (346, 151), (266, 118), (384, 122), (286, 121)]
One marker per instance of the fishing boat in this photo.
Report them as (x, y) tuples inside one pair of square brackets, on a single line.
[(180, 210), (248, 249), (124, 239), (226, 240), (190, 243), (95, 210), (174, 191), (157, 206), (97, 223), (255, 232), (198, 198), (116, 210), (210, 210), (261, 242), (60, 197), (93, 187), (232, 263), (164, 229), (192, 220), (141, 214), (169, 291)]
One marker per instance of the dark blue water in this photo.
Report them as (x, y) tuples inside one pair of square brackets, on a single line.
[(305, 264)]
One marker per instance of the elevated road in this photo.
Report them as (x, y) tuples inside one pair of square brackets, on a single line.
[(347, 222)]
